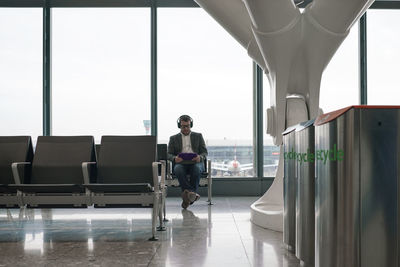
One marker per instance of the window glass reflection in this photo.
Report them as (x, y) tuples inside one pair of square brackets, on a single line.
[(271, 152), (383, 56), (205, 73), (340, 79), (21, 71), (101, 71)]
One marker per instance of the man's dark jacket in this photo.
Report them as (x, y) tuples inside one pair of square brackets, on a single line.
[(197, 142)]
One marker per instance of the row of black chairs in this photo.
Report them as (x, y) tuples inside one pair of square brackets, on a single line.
[(64, 171)]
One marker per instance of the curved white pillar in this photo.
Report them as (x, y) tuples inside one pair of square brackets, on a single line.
[(267, 211), (296, 56), (338, 15), (264, 15), (233, 16), (293, 48)]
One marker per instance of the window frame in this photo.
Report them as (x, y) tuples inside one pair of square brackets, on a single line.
[(153, 4)]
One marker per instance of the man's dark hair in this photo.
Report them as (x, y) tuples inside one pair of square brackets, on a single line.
[(185, 118)]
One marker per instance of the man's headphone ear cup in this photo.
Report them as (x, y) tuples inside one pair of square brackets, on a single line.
[(179, 121)]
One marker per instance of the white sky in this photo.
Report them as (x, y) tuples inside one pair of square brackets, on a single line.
[(101, 72)]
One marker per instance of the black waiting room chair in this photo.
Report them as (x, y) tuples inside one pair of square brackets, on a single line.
[(65, 173), (56, 179), (127, 175), (15, 152)]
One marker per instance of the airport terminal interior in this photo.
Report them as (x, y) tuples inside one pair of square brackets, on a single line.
[(297, 102)]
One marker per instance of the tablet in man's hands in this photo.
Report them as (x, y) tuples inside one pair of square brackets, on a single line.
[(187, 156)]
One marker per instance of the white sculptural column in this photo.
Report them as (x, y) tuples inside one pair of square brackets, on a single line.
[(293, 48)]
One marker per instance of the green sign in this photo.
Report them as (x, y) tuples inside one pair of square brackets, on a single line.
[(319, 155)]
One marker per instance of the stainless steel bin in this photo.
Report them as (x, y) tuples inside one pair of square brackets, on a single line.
[(289, 189), (357, 188), (305, 198)]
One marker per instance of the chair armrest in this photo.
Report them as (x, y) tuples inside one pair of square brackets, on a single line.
[(15, 170), (159, 181), (170, 170), (163, 173), (156, 182), (85, 171)]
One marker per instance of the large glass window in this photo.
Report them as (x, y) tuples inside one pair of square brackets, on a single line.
[(205, 73), (340, 80), (101, 71), (271, 152), (21, 71), (383, 56)]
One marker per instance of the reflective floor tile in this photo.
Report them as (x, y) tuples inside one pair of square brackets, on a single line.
[(202, 235)]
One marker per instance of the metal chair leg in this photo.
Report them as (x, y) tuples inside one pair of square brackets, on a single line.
[(209, 190), (154, 218), (165, 209), (160, 213)]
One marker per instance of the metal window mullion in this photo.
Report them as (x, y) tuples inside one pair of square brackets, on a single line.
[(46, 70), (258, 146), (393, 4), (153, 94), (363, 59), (385, 5), (260, 141), (97, 3)]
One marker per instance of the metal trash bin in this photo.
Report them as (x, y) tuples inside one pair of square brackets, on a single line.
[(357, 188), (305, 200), (289, 189)]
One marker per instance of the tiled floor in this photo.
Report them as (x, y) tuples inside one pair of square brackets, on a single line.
[(203, 235)]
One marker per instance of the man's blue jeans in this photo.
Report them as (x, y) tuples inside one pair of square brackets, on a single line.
[(190, 183)]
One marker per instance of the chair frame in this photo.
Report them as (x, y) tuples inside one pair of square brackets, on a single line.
[(204, 181), (34, 200), (156, 197)]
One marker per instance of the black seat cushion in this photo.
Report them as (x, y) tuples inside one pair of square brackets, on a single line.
[(126, 159), (5, 189), (14, 149), (202, 175), (120, 188), (49, 188), (162, 154), (58, 159)]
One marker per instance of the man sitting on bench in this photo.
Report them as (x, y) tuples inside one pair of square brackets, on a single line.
[(188, 151)]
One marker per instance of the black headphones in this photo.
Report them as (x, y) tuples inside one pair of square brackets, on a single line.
[(184, 117)]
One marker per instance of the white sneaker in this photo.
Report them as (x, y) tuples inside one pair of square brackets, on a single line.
[(192, 196), (196, 197)]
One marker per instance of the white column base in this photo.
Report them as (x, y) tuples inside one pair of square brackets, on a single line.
[(267, 211)]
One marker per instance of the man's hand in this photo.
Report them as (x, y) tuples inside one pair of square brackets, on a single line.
[(197, 158), (178, 159)]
